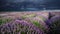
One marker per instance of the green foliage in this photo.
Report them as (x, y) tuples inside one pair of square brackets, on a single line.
[(28, 16), (36, 23), (5, 20), (23, 32)]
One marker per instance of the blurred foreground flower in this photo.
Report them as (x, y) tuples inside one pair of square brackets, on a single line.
[(55, 25)]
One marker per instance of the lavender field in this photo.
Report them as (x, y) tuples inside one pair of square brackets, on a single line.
[(29, 22)]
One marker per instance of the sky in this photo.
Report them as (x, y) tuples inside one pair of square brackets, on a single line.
[(45, 3)]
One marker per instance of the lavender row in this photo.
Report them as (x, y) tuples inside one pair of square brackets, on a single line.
[(19, 27)]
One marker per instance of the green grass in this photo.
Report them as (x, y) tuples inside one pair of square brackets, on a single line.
[(30, 16), (41, 26), (36, 23), (5, 20)]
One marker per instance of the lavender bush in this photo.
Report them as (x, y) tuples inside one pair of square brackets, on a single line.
[(19, 27), (38, 21), (55, 25)]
